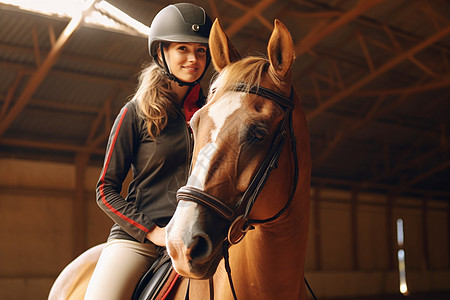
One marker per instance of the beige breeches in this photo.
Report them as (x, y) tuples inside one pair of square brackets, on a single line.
[(119, 269)]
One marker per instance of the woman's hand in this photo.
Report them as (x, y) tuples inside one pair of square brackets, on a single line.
[(157, 236)]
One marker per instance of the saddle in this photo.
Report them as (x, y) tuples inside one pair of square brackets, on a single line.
[(158, 281)]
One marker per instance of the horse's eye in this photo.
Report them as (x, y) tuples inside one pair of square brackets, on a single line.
[(256, 133)]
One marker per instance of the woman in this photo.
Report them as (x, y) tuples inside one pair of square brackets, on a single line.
[(151, 136)]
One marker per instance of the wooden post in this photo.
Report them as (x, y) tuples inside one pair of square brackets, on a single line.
[(390, 228), (79, 209), (354, 229), (426, 253), (448, 229), (317, 233)]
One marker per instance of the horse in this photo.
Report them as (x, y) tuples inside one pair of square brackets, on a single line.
[(232, 214), (240, 227)]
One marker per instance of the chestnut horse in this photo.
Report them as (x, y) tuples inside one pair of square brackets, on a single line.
[(253, 125)]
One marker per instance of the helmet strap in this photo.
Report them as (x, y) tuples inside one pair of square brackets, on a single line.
[(172, 77)]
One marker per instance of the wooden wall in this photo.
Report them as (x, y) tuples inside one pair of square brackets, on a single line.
[(352, 248), (352, 238), (38, 222)]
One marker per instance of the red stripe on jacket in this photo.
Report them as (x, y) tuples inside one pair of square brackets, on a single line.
[(102, 194)]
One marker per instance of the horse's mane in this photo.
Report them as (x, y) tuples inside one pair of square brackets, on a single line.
[(249, 70)]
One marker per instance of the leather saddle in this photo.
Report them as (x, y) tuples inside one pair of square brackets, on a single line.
[(157, 281)]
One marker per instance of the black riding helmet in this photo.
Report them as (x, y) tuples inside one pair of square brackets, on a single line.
[(182, 23)]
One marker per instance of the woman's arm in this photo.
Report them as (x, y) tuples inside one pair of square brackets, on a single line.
[(123, 140)]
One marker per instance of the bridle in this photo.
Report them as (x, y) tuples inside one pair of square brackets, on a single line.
[(231, 214), (241, 223)]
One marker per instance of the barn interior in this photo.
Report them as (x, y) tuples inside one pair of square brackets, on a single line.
[(373, 77)]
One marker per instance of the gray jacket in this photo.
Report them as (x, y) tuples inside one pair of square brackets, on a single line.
[(159, 166)]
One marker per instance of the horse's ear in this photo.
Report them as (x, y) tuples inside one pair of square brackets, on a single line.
[(222, 50), (280, 50)]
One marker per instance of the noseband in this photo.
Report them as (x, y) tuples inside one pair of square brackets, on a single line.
[(240, 223)]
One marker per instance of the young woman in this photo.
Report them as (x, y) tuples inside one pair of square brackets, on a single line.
[(151, 137)]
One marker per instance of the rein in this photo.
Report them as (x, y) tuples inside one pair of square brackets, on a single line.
[(240, 224)]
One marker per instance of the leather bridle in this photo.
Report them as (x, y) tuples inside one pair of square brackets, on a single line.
[(241, 223)]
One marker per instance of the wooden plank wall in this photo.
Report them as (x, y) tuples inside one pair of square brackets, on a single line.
[(48, 215)]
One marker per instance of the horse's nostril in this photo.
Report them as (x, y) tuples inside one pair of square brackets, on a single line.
[(200, 249)]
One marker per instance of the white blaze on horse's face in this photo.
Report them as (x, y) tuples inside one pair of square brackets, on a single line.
[(218, 112)]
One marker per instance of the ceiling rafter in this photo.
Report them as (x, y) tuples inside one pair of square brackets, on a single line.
[(432, 15), (395, 189), (50, 146), (61, 106), (424, 175), (337, 59), (103, 114), (408, 164), (215, 12), (375, 112), (258, 15), (42, 71), (37, 51), (98, 61), (397, 49), (10, 94), (382, 69), (434, 85), (27, 70), (321, 31), (378, 25), (247, 17)]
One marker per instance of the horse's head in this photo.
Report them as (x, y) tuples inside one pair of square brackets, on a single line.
[(238, 132)]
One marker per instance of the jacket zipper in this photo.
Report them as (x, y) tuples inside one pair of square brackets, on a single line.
[(189, 141)]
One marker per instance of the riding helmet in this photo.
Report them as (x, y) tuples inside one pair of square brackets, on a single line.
[(183, 23)]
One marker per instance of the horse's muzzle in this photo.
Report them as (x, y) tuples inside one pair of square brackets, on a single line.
[(193, 251)]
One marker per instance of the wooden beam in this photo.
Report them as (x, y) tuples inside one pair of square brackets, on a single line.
[(79, 211), (215, 12), (315, 37), (247, 17), (98, 62), (263, 20), (341, 135), (104, 113), (376, 24), (50, 146), (125, 84), (354, 228), (448, 228), (444, 165), (314, 15), (42, 71), (317, 228), (384, 68), (421, 66), (416, 160), (390, 229), (425, 242), (366, 52), (37, 52), (10, 94), (438, 84), (317, 180), (51, 35), (374, 112)]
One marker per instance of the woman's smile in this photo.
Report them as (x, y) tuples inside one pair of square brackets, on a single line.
[(186, 61)]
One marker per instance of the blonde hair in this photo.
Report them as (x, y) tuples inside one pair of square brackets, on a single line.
[(155, 97)]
